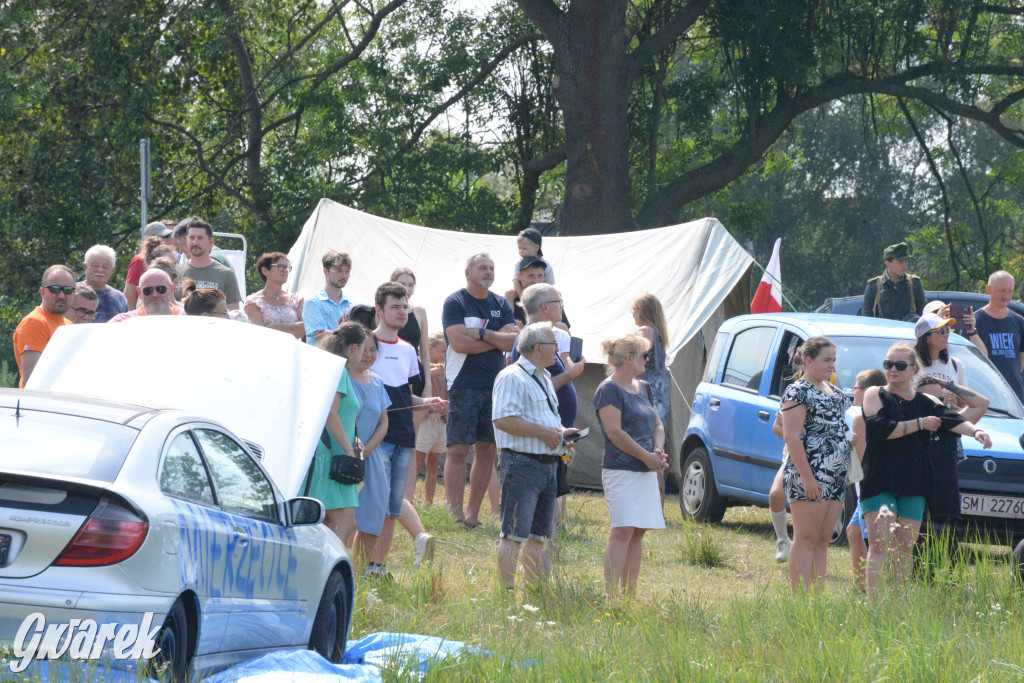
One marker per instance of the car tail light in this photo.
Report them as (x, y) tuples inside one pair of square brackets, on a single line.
[(112, 533)]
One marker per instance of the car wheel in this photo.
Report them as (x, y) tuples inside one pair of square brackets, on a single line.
[(330, 627), (849, 505), (698, 497), (172, 643)]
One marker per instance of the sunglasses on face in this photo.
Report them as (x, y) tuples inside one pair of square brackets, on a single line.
[(82, 312), (57, 289), (942, 330), (900, 365), (160, 289)]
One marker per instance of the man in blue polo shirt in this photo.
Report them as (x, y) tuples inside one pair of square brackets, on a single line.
[(322, 311), (479, 327)]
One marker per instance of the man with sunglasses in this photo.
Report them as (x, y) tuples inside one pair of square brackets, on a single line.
[(36, 328), (83, 306), (157, 297)]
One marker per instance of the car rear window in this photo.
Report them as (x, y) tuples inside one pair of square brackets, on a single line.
[(64, 445)]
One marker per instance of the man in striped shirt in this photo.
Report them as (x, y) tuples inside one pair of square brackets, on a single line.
[(530, 436)]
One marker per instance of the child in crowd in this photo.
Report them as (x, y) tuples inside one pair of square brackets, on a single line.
[(430, 439), (529, 242), (857, 528)]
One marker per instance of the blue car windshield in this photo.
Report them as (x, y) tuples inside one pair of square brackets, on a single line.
[(42, 443), (854, 354)]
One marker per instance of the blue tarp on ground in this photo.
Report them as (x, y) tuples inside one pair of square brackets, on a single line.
[(410, 653), (407, 653)]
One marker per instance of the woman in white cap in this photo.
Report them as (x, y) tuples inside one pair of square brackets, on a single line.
[(932, 348)]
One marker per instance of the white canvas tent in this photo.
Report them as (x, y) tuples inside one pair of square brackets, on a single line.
[(697, 270)]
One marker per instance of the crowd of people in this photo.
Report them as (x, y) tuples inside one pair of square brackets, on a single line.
[(495, 384)]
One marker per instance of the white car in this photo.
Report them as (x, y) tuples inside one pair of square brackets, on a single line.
[(110, 510)]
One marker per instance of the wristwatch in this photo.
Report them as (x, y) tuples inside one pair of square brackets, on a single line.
[(481, 331)]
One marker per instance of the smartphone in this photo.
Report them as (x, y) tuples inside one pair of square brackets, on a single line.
[(573, 438), (575, 349), (957, 313)]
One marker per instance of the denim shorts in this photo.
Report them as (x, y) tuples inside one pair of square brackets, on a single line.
[(528, 493), (857, 519), (387, 471), (469, 416), (907, 507)]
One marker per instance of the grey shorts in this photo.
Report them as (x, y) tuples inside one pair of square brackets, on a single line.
[(469, 416), (528, 493)]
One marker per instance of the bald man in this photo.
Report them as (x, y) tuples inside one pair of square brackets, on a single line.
[(157, 293), (1002, 330)]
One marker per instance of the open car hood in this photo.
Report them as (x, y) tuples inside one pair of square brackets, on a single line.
[(264, 385)]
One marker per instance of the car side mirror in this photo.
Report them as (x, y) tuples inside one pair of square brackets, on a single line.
[(305, 511), (1020, 440)]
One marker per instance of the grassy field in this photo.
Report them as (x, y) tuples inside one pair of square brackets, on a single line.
[(712, 604)]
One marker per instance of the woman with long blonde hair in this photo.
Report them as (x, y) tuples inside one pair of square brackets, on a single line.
[(649, 317)]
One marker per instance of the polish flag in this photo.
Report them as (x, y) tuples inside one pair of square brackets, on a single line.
[(768, 297)]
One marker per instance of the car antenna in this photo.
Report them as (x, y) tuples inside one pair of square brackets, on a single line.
[(17, 412)]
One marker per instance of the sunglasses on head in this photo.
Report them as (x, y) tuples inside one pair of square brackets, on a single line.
[(57, 289), (900, 365), (160, 289)]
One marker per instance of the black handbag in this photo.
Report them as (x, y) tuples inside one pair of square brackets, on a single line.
[(344, 469)]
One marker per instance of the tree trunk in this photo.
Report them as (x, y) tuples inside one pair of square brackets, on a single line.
[(592, 88)]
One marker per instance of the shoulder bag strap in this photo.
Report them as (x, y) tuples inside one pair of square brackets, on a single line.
[(551, 404)]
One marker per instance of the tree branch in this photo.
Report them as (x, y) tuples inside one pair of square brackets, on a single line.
[(371, 30), (484, 72), (669, 33), (312, 33), (1002, 9), (662, 208), (532, 171), (546, 16), (1002, 105)]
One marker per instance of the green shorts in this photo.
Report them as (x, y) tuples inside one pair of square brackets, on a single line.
[(906, 507)]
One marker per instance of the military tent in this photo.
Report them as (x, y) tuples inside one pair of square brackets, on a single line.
[(697, 270)]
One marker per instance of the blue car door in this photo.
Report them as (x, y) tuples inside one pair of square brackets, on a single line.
[(732, 409), (266, 610), (765, 447)]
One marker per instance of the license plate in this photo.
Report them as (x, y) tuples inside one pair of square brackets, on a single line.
[(992, 506), (5, 547)]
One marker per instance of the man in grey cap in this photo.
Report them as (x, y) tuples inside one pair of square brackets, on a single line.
[(137, 266), (894, 294)]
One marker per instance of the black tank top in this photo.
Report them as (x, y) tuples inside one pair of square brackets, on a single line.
[(412, 334)]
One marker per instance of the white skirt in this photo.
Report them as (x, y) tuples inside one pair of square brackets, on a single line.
[(633, 499)]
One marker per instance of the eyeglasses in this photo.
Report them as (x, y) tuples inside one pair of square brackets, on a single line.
[(283, 267), (83, 312), (553, 301), (548, 343), (900, 365), (57, 289), (160, 289)]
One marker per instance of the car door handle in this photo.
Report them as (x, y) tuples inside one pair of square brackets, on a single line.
[(241, 537), (715, 402), (763, 415)]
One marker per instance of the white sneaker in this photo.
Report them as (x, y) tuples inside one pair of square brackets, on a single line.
[(782, 549), (424, 548)]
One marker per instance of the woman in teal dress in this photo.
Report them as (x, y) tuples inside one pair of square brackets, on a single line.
[(340, 500)]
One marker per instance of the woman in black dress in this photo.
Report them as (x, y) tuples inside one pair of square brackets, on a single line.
[(900, 422)]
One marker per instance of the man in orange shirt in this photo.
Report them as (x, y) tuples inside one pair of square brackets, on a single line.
[(36, 328)]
